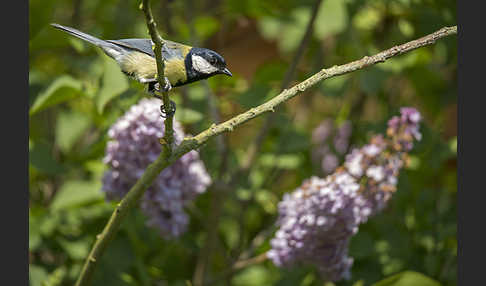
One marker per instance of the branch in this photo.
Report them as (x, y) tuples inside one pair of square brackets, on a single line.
[(159, 43), (166, 157), (287, 94)]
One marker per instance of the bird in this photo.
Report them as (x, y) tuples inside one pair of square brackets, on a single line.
[(183, 64)]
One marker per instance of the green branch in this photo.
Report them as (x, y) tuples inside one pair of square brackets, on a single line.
[(158, 45), (167, 158)]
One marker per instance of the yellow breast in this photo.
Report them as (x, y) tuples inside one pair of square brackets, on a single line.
[(143, 67)]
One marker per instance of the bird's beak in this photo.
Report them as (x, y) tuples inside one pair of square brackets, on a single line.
[(226, 72)]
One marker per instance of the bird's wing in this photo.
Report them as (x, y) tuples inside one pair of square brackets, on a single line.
[(170, 50)]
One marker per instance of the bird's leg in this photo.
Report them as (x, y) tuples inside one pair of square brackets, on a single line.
[(152, 87), (167, 86), (172, 110), (172, 107)]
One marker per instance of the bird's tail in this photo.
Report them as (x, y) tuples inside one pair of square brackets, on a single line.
[(109, 48), (79, 34)]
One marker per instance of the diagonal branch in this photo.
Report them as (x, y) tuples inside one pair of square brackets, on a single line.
[(166, 158), (287, 94)]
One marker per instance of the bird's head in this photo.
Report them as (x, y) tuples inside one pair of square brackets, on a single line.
[(203, 63)]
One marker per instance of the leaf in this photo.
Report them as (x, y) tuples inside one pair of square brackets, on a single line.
[(62, 89), (40, 13), (56, 277), (254, 96), (205, 26), (332, 18), (75, 193), (230, 232), (294, 31), (118, 259), (188, 116), (114, 83), (37, 275), (34, 232), (253, 275), (407, 278), (77, 250), (285, 161), (41, 159), (69, 127)]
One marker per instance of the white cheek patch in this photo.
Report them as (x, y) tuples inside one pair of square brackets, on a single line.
[(201, 65)]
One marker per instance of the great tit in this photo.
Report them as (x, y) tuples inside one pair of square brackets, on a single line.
[(183, 64)]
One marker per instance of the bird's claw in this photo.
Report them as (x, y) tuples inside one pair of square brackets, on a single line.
[(154, 87), (170, 112), (166, 88)]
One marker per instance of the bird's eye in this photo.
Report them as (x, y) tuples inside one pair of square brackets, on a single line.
[(212, 60)]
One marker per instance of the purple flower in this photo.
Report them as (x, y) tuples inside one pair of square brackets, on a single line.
[(318, 219), (330, 144), (133, 146)]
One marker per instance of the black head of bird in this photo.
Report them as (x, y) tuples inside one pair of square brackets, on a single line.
[(183, 64)]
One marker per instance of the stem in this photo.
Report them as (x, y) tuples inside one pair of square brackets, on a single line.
[(166, 158), (158, 45)]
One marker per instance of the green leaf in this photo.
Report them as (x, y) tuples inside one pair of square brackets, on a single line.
[(62, 89), (77, 250), (114, 83), (285, 161), (196, 92), (34, 232), (118, 259), (230, 232), (407, 278), (40, 157), (294, 31), (254, 96), (40, 13), (56, 277), (37, 275), (253, 275), (69, 127), (75, 193), (332, 18), (205, 26), (368, 17), (188, 116), (269, 27)]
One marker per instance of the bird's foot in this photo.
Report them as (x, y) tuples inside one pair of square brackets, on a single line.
[(166, 88), (154, 88), (170, 112)]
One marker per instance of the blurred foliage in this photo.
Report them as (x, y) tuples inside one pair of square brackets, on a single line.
[(76, 93)]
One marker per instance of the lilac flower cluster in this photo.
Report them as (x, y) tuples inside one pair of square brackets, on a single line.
[(330, 144), (319, 218), (133, 146)]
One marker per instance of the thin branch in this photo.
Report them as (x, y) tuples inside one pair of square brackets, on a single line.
[(159, 43), (287, 94), (167, 158)]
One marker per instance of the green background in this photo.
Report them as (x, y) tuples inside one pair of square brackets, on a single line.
[(76, 93)]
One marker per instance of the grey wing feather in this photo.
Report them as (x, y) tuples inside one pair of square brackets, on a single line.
[(170, 50)]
